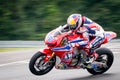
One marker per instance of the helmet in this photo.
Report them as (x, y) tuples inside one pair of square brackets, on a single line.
[(74, 21)]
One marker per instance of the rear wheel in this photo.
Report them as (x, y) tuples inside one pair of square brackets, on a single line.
[(106, 57), (38, 66)]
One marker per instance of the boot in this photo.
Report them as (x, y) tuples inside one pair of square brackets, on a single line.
[(91, 58)]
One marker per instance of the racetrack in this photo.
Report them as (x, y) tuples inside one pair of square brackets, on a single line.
[(14, 66)]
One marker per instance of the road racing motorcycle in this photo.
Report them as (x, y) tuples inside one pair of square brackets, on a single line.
[(60, 44)]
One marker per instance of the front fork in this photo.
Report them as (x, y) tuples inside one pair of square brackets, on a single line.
[(49, 54), (49, 57)]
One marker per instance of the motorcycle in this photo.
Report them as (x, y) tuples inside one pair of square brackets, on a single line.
[(60, 43)]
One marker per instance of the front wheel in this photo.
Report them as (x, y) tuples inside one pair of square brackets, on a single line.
[(105, 56), (38, 66)]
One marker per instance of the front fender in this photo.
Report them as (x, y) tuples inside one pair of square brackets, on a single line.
[(49, 54), (46, 51)]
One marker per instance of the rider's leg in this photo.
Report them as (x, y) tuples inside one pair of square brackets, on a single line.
[(97, 41)]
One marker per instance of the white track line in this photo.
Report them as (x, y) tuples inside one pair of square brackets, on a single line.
[(16, 62)]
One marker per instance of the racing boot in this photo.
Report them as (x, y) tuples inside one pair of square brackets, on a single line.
[(92, 57)]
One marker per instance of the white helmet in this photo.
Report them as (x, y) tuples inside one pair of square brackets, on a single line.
[(74, 21)]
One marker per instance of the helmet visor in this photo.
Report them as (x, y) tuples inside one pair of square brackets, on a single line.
[(73, 26)]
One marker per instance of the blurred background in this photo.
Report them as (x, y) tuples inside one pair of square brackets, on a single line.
[(32, 19)]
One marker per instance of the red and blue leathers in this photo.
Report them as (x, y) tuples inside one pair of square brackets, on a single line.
[(93, 34), (93, 30)]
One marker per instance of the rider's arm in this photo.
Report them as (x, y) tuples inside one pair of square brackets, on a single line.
[(92, 27), (65, 28), (95, 30)]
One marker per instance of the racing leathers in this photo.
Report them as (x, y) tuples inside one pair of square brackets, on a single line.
[(93, 36), (93, 33)]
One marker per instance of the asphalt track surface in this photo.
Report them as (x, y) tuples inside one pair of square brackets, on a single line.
[(14, 66)]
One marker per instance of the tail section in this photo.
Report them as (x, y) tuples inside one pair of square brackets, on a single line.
[(109, 35)]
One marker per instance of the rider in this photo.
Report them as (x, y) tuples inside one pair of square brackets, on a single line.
[(79, 23)]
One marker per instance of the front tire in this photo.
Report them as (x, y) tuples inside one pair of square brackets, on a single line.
[(38, 66), (103, 52)]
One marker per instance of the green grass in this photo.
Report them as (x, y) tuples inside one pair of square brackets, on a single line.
[(15, 49)]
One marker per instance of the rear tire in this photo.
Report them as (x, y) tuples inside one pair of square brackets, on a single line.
[(37, 65), (101, 52)]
